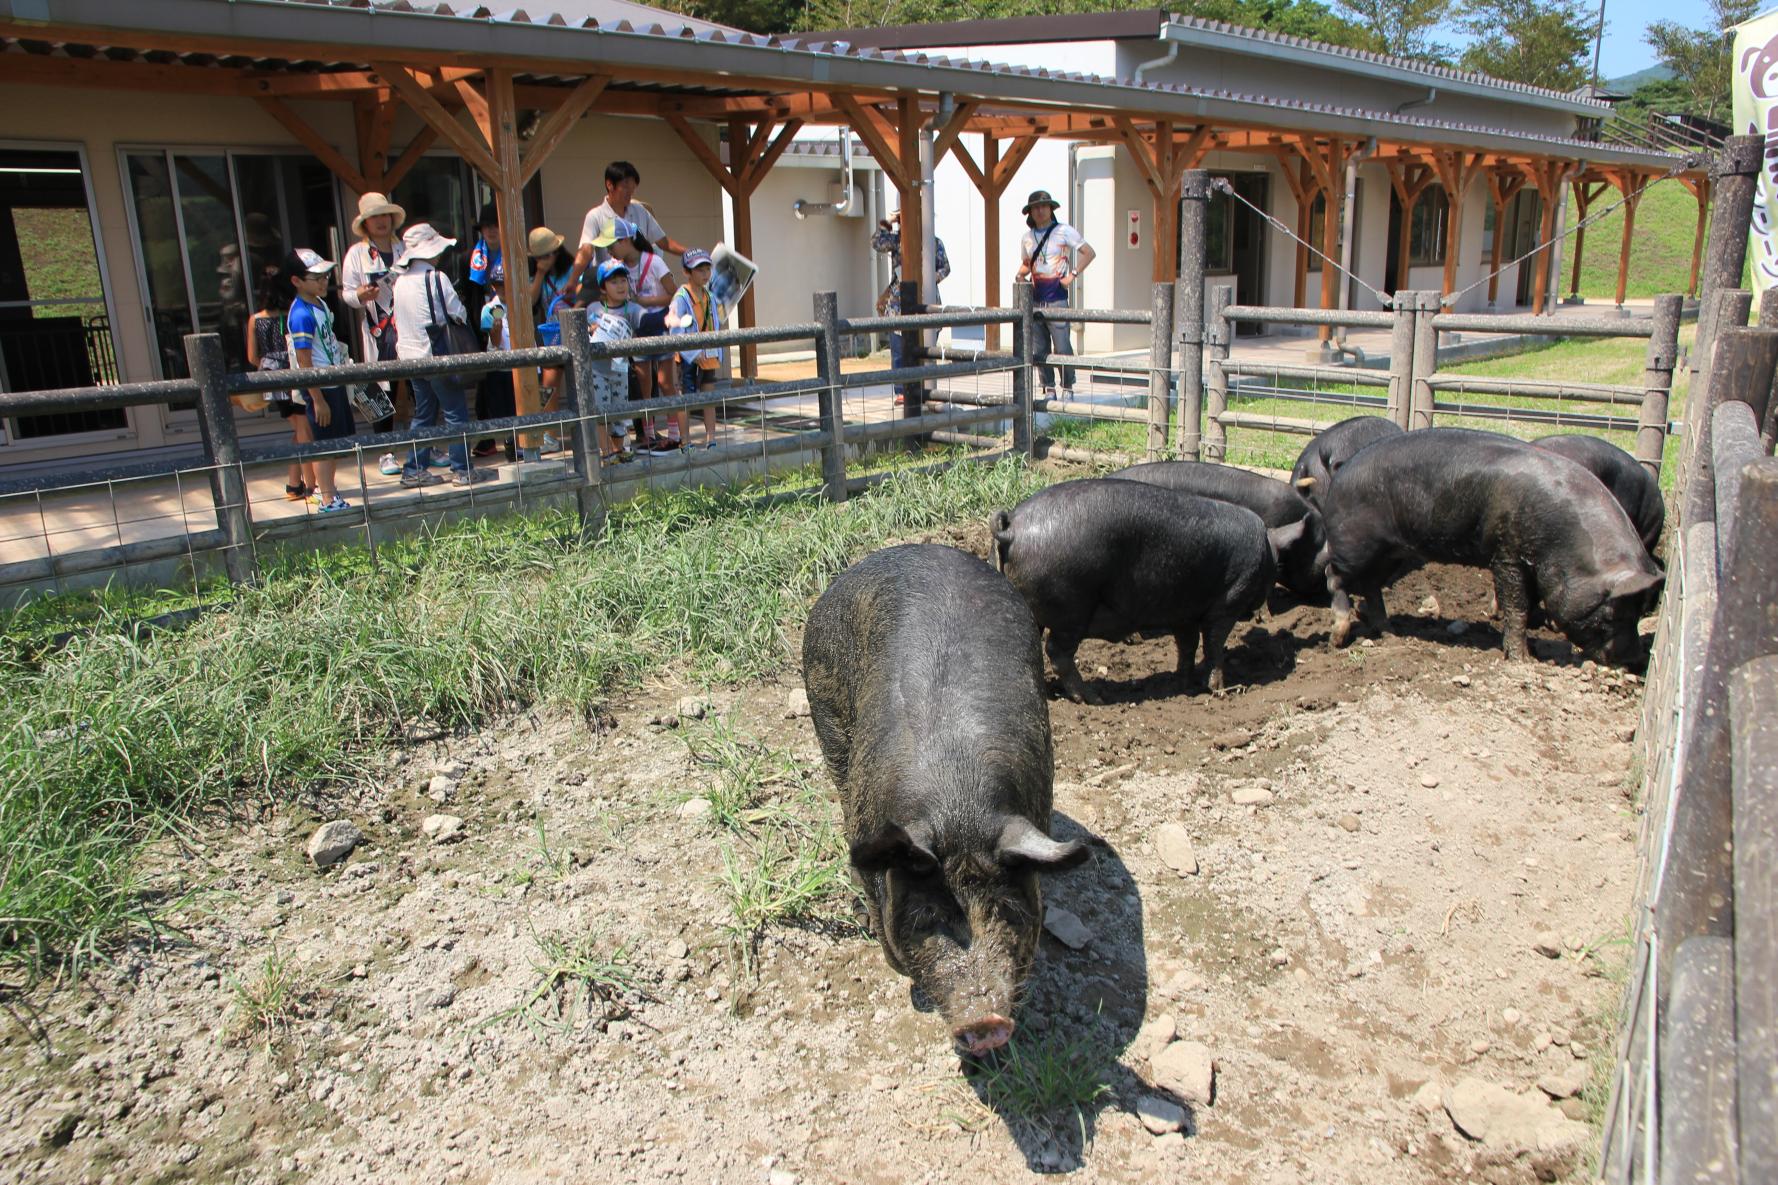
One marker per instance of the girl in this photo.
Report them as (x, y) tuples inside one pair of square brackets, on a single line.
[(612, 317), (694, 311), (313, 343), (266, 350), (653, 286)]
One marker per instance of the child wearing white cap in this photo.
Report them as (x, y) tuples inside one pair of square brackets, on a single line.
[(313, 343)]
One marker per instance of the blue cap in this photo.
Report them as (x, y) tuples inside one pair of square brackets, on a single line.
[(608, 269), (696, 257)]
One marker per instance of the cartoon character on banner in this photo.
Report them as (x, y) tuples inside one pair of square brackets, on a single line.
[(1756, 114)]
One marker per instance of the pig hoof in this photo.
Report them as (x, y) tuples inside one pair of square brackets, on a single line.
[(983, 1036)]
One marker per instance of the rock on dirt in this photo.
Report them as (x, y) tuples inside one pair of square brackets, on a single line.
[(1348, 822), (1251, 796), (1564, 1085), (1173, 844), (692, 707), (1548, 944), (796, 704), (1235, 738), (1498, 1118), (1066, 927), (1159, 1115), (696, 809), (1155, 1036), (442, 828), (333, 842), (1187, 1070), (442, 788)]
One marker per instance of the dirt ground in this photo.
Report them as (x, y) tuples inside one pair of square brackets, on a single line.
[(1349, 950)]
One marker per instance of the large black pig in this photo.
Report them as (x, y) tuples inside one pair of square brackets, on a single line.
[(1634, 487), (1544, 526), (926, 689), (1275, 502), (1334, 446), (1102, 558)]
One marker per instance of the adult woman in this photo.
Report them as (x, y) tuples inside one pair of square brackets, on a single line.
[(367, 284)]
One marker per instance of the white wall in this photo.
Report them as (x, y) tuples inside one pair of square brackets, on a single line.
[(820, 253)]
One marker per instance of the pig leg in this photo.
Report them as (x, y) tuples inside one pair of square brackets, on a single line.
[(1216, 636), (1186, 641), (1513, 596), (1341, 633), (1061, 651)]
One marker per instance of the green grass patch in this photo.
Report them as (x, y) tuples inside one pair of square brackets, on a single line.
[(122, 733), (575, 983), (1660, 248), (266, 1002)]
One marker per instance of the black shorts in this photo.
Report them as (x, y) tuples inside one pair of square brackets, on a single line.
[(340, 425), (289, 408)]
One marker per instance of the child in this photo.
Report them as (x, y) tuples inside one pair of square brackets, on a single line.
[(694, 310), (267, 349), (653, 287), (613, 317), (313, 343)]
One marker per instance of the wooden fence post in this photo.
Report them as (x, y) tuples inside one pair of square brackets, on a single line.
[(1425, 359), (1657, 384), (222, 455), (1740, 367), (1220, 333), (583, 440), (1024, 332), (1733, 175), (1404, 306), (1753, 716), (830, 397), (1697, 1064), (1160, 358), (913, 353), (1188, 304)]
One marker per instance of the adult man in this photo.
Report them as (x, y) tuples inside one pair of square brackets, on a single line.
[(1054, 256), (886, 240), (621, 180)]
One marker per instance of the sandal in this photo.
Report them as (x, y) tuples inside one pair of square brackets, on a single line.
[(297, 493)]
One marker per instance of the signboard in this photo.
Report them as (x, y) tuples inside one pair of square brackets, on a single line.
[(1755, 88)]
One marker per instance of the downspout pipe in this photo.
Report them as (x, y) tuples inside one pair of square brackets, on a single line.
[(1430, 95), (1166, 59), (1348, 233), (802, 209)]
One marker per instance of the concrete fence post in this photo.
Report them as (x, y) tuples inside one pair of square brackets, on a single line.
[(1401, 356), (830, 397), (1024, 332), (1188, 306), (582, 397), (1657, 384), (1160, 357), (1219, 334), (1425, 360), (222, 454)]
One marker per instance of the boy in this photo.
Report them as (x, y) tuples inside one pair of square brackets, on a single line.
[(313, 343), (612, 318), (694, 310)]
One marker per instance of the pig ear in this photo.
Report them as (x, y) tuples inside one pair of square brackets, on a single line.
[(1286, 537), (893, 847), (1022, 845), (1629, 582)]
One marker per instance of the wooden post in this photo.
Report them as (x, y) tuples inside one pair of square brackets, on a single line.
[(830, 397), (1732, 178), (1696, 1065), (583, 442), (1401, 355), (1753, 717), (1409, 178), (1585, 194), (913, 224), (913, 351), (1547, 176), (1657, 384), (1630, 184), (1456, 172), (1502, 188), (1160, 357), (222, 455), (1024, 334), (1700, 189), (1333, 185), (509, 205), (1425, 360), (1221, 334), (1194, 218), (990, 238)]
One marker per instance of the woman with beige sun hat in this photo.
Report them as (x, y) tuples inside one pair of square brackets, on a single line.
[(368, 285)]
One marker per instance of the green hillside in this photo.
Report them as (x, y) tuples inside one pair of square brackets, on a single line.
[(1660, 251)]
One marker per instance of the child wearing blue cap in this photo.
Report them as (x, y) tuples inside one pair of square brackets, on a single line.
[(694, 310), (613, 317)]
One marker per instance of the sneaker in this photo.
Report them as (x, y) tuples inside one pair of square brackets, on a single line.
[(440, 461), (472, 477), (413, 480), (485, 448), (550, 444), (387, 465), (626, 455), (314, 498), (296, 493), (664, 448), (334, 506)]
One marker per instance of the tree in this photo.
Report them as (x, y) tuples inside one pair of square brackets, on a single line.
[(1295, 18), (1701, 59), (1401, 27), (1538, 42), (1298, 18)]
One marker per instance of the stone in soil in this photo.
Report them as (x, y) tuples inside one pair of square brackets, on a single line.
[(1174, 846), (692, 707), (1497, 1118), (442, 788), (1251, 796), (796, 704), (1348, 822), (1155, 1036), (1428, 781), (1235, 738), (333, 842), (1187, 1070), (1159, 1115), (696, 809), (442, 828), (1066, 927), (1564, 1085), (1548, 944)]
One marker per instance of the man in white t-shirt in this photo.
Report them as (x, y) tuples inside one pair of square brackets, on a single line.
[(621, 180), (1053, 256)]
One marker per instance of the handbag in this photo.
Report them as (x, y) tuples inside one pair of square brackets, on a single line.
[(449, 336)]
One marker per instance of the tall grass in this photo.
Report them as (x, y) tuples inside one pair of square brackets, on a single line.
[(123, 733)]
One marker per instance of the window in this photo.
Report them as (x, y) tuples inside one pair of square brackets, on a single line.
[(1488, 231), (1426, 230)]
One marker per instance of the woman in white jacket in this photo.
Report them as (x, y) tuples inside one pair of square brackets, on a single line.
[(366, 283)]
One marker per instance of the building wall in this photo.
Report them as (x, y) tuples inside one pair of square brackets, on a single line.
[(819, 253), (682, 195)]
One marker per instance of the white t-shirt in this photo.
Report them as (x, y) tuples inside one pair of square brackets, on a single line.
[(602, 216), (646, 279), (1053, 261)]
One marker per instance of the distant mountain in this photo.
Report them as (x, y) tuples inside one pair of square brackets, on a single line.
[(1629, 82)]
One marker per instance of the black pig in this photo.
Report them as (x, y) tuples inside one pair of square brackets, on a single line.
[(1275, 502), (1542, 524), (1635, 489), (926, 689), (1322, 457), (1103, 558)]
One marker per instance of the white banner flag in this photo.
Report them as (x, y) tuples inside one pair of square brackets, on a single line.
[(1756, 114)]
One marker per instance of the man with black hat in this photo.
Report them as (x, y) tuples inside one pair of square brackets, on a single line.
[(1054, 255)]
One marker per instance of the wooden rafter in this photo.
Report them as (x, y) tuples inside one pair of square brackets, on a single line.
[(705, 154), (561, 121), (463, 139), (946, 137), (477, 105), (410, 156), (878, 135), (309, 138)]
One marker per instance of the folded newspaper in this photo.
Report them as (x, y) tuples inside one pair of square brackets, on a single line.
[(730, 274)]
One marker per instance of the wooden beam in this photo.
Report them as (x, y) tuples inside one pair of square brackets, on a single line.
[(465, 141), (418, 147), (1548, 177), (1141, 154), (1700, 187), (509, 204), (984, 185), (877, 135), (309, 138), (477, 106), (977, 178), (1009, 165), (1456, 172), (705, 154), (946, 136), (1585, 194), (1503, 187), (1631, 183), (757, 171), (913, 212), (340, 84), (374, 133), (561, 121)]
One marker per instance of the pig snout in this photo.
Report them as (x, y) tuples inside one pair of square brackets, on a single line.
[(983, 1035)]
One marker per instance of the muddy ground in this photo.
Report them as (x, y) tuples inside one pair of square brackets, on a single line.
[(1350, 951)]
